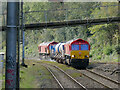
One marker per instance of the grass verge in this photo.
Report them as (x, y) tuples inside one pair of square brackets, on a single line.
[(35, 76), (63, 67)]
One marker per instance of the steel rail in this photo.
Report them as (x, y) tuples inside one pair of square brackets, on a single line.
[(97, 81), (55, 78), (71, 78), (103, 77)]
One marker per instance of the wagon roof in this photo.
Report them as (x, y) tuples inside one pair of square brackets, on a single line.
[(46, 43)]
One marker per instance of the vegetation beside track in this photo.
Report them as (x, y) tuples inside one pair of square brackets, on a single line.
[(33, 76), (0, 81), (64, 67), (0, 76)]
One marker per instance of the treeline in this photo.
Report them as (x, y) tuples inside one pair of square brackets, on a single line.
[(102, 38)]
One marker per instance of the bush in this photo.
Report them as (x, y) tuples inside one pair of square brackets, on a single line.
[(21, 71), (108, 50), (117, 48), (92, 52), (98, 57), (90, 55)]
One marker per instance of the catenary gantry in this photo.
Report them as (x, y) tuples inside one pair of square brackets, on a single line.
[(67, 23)]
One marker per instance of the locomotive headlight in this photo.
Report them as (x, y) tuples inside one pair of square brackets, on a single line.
[(86, 56), (73, 55)]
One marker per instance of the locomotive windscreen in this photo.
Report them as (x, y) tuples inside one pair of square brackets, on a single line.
[(75, 47), (84, 47)]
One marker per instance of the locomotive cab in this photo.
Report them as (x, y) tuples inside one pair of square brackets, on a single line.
[(77, 53), (80, 55)]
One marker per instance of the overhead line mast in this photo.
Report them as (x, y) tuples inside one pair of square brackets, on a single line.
[(11, 40)]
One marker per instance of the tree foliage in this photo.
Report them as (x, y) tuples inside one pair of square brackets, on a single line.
[(102, 38)]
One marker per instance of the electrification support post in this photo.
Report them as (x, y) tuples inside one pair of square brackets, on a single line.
[(22, 30), (11, 39), (18, 51)]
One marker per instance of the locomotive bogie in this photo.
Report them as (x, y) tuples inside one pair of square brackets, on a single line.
[(79, 63)]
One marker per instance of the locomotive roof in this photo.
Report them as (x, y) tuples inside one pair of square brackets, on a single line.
[(74, 40), (46, 43)]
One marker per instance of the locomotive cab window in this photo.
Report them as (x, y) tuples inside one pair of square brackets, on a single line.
[(84, 47), (75, 47)]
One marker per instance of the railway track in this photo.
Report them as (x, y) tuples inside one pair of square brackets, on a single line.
[(61, 86), (105, 81), (71, 82), (111, 80)]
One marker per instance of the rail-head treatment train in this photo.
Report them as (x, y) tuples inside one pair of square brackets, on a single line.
[(74, 52)]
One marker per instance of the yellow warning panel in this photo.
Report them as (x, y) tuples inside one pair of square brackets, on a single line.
[(78, 54)]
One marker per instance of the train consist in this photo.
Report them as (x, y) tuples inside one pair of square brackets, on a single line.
[(74, 52)]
